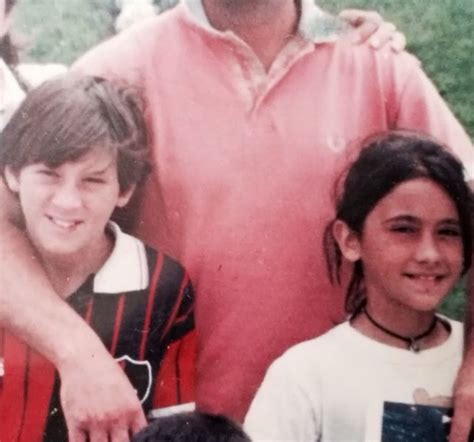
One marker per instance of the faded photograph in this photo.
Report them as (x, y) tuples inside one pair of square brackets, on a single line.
[(233, 220)]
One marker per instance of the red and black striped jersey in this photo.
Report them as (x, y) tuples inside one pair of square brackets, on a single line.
[(148, 327)]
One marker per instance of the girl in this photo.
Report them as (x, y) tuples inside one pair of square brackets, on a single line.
[(403, 223)]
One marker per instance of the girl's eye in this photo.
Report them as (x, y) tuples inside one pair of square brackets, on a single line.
[(403, 229), (449, 231)]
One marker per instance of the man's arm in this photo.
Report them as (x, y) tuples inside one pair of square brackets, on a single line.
[(97, 398), (463, 420), (420, 107)]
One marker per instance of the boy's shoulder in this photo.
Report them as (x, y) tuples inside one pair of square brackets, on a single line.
[(133, 266)]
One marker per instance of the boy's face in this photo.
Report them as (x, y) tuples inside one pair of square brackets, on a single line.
[(66, 208)]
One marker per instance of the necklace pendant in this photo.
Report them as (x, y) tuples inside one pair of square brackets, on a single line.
[(414, 346)]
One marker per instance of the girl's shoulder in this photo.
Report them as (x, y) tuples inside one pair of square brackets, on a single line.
[(319, 348), (343, 343), (457, 329)]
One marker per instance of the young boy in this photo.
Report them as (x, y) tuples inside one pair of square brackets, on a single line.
[(74, 152)]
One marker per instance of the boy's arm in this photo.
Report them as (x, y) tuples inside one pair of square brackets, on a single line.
[(96, 396)]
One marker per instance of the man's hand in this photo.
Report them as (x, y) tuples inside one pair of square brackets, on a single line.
[(370, 25), (98, 401), (463, 419)]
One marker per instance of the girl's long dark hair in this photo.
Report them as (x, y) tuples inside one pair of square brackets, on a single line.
[(385, 161)]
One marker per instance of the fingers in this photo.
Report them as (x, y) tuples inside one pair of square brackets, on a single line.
[(116, 429), (462, 420), (120, 434), (357, 17), (76, 435), (398, 42), (382, 35), (369, 26), (138, 423), (460, 427), (98, 435), (364, 31), (117, 433)]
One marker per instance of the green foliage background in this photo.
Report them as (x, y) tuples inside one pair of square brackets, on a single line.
[(439, 32)]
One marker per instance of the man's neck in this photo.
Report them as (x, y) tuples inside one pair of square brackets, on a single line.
[(265, 25)]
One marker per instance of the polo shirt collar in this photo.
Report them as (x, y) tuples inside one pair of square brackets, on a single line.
[(315, 25), (126, 269)]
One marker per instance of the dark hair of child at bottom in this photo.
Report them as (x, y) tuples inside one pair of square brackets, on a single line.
[(192, 427)]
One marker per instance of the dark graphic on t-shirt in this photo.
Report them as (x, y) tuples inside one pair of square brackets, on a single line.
[(415, 423)]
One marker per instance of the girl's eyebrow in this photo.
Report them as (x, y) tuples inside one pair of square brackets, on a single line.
[(414, 219), (403, 217), (451, 221)]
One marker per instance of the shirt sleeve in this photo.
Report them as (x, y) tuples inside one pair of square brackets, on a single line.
[(119, 58), (282, 409), (183, 319), (175, 380), (422, 108)]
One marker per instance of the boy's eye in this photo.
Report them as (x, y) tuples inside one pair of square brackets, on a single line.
[(47, 172), (94, 180)]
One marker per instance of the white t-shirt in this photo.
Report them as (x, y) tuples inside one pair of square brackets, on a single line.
[(344, 386), (11, 94)]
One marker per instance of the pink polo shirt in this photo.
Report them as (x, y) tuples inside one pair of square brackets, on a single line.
[(244, 168)]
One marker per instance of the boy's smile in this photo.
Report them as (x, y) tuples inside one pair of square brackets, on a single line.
[(67, 208), (64, 224)]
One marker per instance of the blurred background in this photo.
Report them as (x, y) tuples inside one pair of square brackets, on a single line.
[(439, 32)]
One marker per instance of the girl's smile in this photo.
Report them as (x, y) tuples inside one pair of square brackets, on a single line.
[(411, 250)]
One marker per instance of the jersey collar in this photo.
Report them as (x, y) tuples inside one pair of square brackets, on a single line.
[(126, 269)]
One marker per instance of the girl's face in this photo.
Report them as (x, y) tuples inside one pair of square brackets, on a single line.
[(411, 247)]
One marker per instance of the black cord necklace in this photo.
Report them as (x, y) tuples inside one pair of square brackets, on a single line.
[(412, 341)]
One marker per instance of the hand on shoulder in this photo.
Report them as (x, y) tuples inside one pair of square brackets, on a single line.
[(370, 26)]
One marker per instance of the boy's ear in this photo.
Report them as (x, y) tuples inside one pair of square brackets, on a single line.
[(125, 196), (347, 240), (11, 178)]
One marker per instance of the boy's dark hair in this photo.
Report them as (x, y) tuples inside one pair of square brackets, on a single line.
[(68, 116), (192, 427), (385, 161)]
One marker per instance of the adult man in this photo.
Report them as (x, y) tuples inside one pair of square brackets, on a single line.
[(246, 145)]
